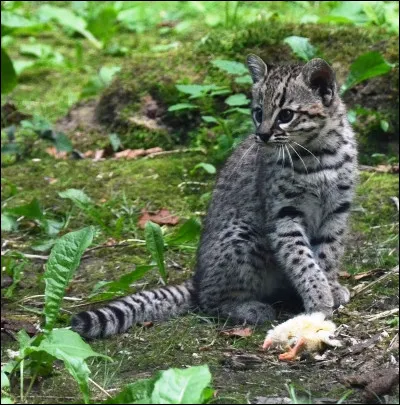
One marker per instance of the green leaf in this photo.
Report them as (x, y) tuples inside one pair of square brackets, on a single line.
[(209, 118), (182, 106), (8, 223), (138, 392), (244, 79), (124, 282), (5, 383), (107, 73), (37, 50), (196, 90), (187, 232), (176, 386), (237, 100), (62, 142), (155, 245), (301, 47), (78, 197), (12, 20), (231, 67), (115, 142), (68, 19), (63, 261), (209, 168), (366, 66), (384, 125), (102, 23), (352, 116), (8, 75), (43, 246), (69, 347), (30, 211)]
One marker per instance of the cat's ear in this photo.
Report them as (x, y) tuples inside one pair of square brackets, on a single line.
[(257, 67), (318, 75)]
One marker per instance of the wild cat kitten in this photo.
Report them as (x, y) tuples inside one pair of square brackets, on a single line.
[(274, 228)]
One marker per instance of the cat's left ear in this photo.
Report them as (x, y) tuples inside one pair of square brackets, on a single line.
[(318, 75)]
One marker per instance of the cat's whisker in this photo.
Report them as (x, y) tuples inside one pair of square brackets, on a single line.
[(302, 161), (284, 158), (279, 153), (291, 160), (312, 154)]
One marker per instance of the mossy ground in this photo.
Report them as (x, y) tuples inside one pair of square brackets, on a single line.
[(192, 339), (120, 189)]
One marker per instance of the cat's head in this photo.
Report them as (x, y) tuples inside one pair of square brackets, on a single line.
[(291, 102)]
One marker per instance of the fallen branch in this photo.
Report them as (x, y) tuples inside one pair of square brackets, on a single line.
[(383, 314), (378, 280)]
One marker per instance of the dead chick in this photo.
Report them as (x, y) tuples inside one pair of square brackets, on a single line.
[(306, 332)]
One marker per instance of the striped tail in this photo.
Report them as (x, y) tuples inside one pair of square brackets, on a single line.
[(145, 306)]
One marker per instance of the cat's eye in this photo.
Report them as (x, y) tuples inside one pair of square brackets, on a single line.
[(285, 116), (257, 115)]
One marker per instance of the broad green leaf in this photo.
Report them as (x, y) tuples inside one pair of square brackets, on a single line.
[(384, 125), (77, 196), (231, 67), (237, 100), (5, 383), (182, 106), (21, 65), (301, 47), (37, 50), (43, 246), (52, 227), (209, 168), (244, 79), (30, 211), (352, 116), (6, 400), (209, 118), (196, 90), (12, 20), (155, 245), (176, 386), (62, 142), (69, 347), (366, 66), (8, 75), (107, 73), (138, 392), (63, 261), (8, 223), (68, 19), (187, 232), (115, 142), (124, 282), (103, 23)]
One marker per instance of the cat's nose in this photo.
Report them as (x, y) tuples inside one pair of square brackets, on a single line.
[(264, 136)]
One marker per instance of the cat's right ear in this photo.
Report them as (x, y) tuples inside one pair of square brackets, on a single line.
[(257, 67)]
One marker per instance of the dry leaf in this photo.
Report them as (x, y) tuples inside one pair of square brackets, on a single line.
[(147, 324), (365, 274), (237, 332), (58, 155), (344, 274), (161, 217), (51, 180), (98, 155)]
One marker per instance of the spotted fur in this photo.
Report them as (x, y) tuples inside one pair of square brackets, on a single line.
[(275, 226)]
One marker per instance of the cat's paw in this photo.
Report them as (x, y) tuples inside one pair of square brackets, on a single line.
[(323, 302), (341, 295)]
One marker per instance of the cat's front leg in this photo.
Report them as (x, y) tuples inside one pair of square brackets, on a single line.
[(328, 250), (293, 252)]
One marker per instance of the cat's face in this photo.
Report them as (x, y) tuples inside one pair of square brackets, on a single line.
[(291, 103)]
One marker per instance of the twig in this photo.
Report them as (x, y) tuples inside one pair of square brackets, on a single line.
[(378, 280), (383, 314), (42, 296), (100, 388), (170, 152), (27, 255)]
